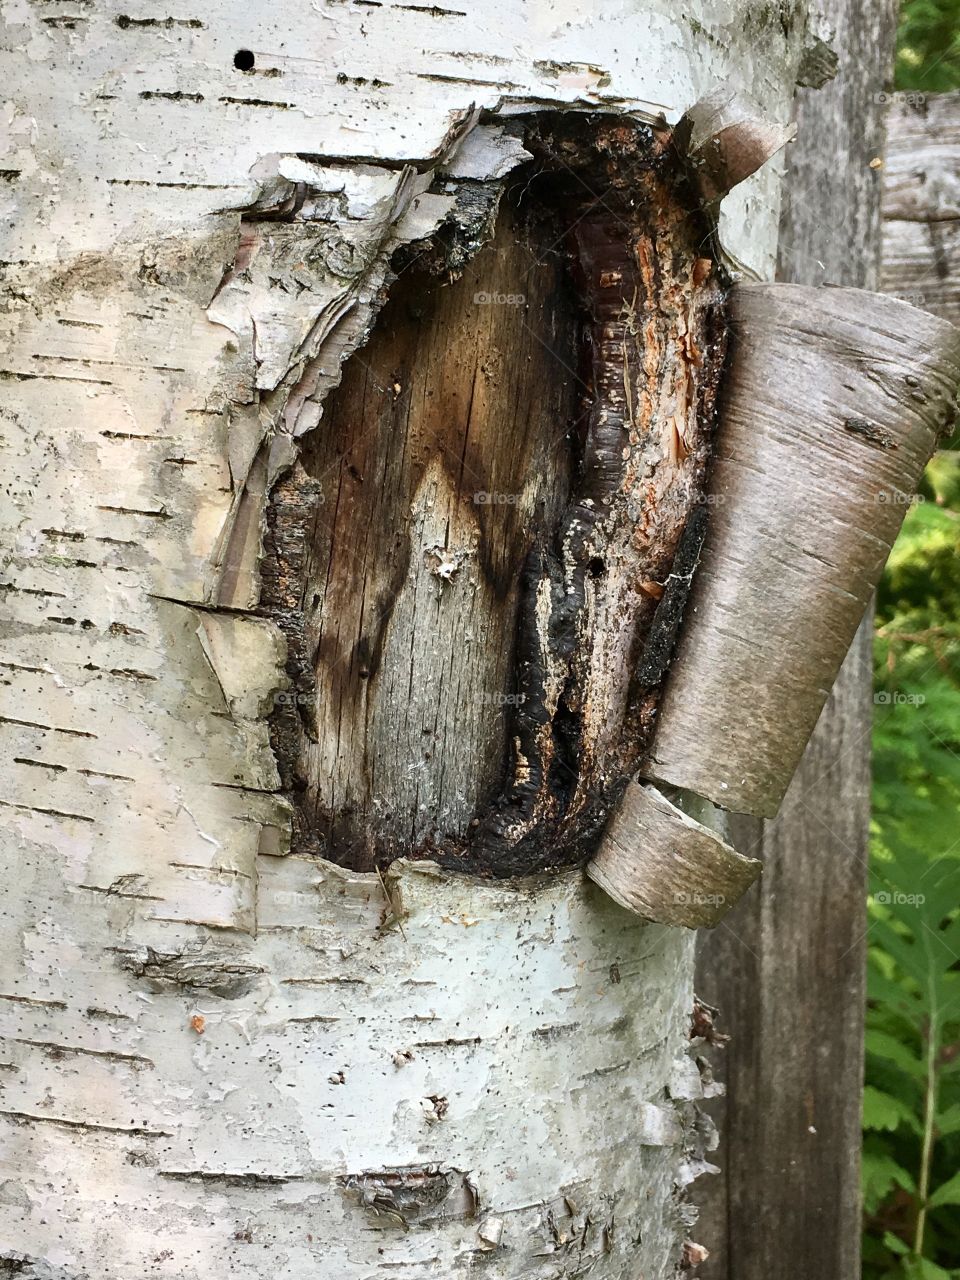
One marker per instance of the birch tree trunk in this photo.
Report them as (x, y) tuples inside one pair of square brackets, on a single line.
[(260, 633)]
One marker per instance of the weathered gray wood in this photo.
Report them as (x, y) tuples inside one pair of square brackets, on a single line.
[(787, 967), (833, 403), (663, 865), (920, 264), (921, 203), (921, 172)]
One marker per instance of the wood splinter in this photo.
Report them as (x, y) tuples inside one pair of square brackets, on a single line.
[(661, 864)]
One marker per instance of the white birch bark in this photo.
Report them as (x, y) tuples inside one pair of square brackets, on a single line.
[(220, 1060)]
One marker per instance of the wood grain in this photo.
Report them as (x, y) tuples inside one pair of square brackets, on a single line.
[(921, 203), (787, 967), (488, 526), (921, 172), (398, 544)]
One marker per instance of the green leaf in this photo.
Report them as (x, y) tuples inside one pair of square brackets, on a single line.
[(905, 951), (924, 1269), (947, 1193), (884, 1111), (889, 992), (885, 1046), (948, 1121), (894, 1243), (880, 1173)]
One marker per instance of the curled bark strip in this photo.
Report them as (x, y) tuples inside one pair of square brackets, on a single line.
[(834, 401), (725, 139), (661, 864)]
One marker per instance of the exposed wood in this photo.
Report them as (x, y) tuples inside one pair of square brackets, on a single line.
[(921, 203), (663, 865), (489, 470), (787, 967), (396, 548), (834, 400)]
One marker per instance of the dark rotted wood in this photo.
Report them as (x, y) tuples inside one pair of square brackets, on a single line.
[(787, 966), (661, 638), (397, 544), (469, 556), (653, 346)]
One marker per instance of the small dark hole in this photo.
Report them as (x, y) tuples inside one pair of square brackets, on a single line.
[(596, 567), (243, 60)]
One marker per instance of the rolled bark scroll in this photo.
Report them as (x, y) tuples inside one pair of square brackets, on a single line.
[(725, 139), (833, 402), (661, 864)]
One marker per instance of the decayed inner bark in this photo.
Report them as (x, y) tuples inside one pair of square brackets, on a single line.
[(481, 556)]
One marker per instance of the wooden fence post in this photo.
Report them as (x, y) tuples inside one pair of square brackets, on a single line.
[(787, 967)]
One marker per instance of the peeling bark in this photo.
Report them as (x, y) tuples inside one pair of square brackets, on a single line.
[(835, 401), (658, 861)]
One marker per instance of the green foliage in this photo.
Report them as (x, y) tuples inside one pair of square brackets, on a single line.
[(884, 1111), (911, 1104), (911, 1108), (928, 46)]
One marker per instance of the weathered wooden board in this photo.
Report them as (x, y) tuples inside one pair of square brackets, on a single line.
[(787, 967), (921, 164), (921, 203)]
